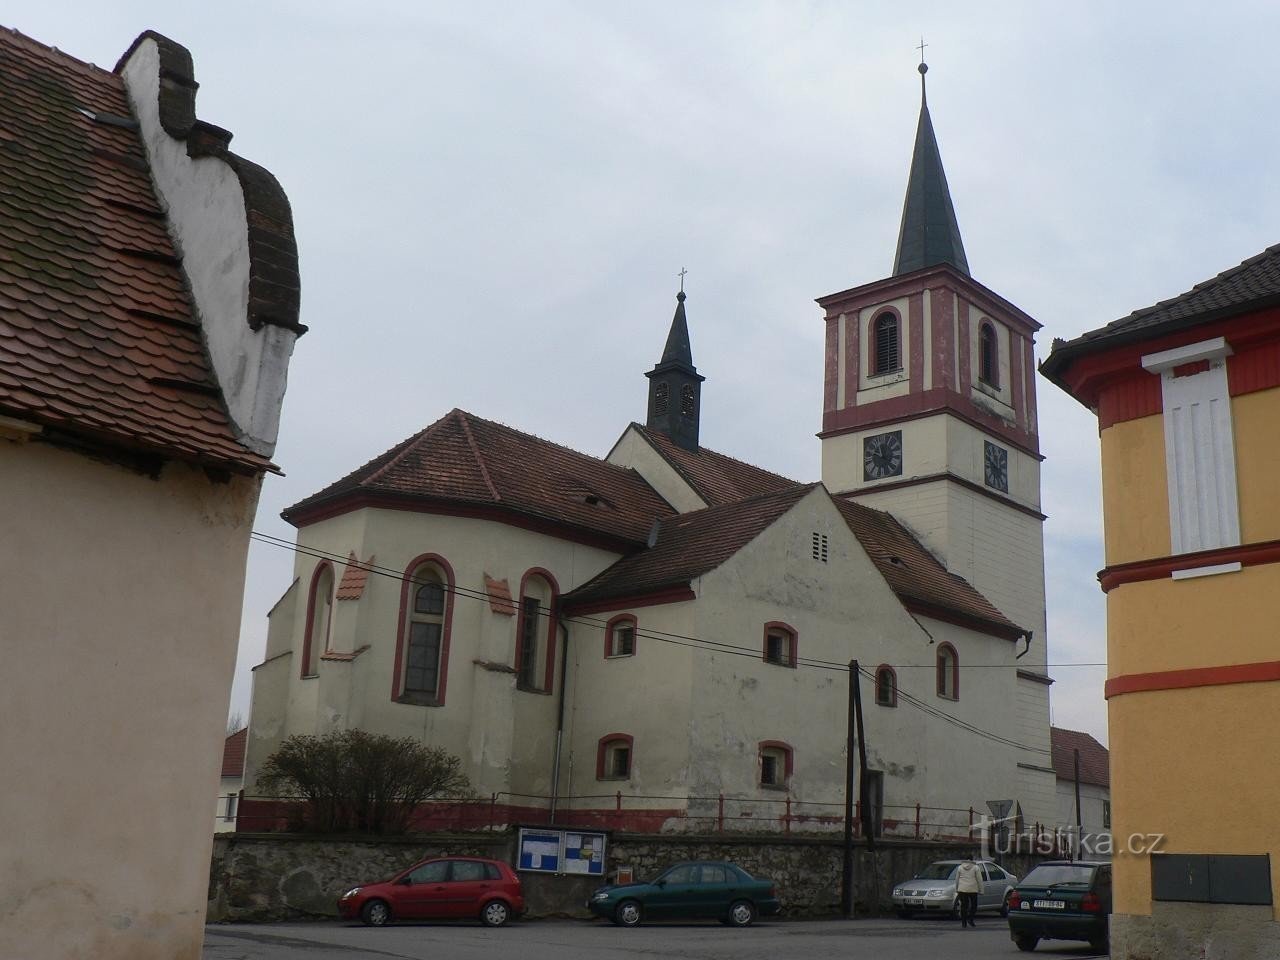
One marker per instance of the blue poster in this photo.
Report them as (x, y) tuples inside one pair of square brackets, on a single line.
[(540, 850)]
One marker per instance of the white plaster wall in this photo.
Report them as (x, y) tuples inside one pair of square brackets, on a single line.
[(504, 736), (121, 598), (1092, 798), (206, 210), (966, 457), (633, 450), (924, 453), (229, 786)]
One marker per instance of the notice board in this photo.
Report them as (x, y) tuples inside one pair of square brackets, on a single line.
[(562, 851)]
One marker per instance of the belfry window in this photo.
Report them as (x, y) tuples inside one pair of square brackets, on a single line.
[(885, 343), (661, 398), (989, 355)]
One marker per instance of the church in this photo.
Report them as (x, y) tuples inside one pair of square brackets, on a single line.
[(659, 639)]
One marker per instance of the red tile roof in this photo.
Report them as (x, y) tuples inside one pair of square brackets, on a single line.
[(919, 579), (1095, 759), (463, 460), (689, 545), (499, 593), (98, 339), (354, 577), (233, 753), (716, 478)]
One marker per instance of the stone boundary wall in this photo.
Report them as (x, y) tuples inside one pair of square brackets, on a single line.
[(265, 877)]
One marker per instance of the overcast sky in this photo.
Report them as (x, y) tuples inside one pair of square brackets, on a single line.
[(492, 202)]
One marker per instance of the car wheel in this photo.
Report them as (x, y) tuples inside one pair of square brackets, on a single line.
[(741, 913), (1004, 904), (376, 913), (495, 913), (1025, 943), (955, 909), (628, 913)]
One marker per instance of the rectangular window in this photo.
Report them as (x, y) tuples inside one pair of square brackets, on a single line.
[(530, 620), (1199, 445), (769, 776), (422, 674), (232, 800), (820, 547), (624, 641), (620, 762)]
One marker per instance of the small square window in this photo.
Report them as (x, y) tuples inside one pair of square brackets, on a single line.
[(777, 648), (774, 766), (622, 639), (620, 762)]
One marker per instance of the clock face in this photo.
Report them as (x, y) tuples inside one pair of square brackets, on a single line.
[(997, 467), (882, 456)]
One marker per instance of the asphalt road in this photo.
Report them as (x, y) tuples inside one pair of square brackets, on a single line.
[(925, 939)]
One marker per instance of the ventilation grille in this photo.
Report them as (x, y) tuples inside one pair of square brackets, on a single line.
[(820, 547)]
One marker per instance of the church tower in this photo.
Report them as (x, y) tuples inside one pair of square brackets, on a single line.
[(675, 386), (929, 409)]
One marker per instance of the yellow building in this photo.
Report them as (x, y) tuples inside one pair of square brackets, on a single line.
[(1187, 394)]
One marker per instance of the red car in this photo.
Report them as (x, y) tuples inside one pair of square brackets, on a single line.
[(445, 888)]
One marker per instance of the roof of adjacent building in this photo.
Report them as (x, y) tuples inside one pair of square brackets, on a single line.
[(1249, 286), (715, 477), (918, 578), (1095, 760), (462, 459), (233, 753), (99, 342), (929, 234)]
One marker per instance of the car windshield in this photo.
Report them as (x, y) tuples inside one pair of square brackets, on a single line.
[(937, 871), (1059, 874)]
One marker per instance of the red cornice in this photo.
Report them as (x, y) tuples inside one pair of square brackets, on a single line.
[(349, 503), (1247, 555), (677, 594), (1264, 672), (935, 478), (917, 406), (968, 621)]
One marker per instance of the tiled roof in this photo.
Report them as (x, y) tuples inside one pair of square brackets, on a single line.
[(689, 545), (716, 478), (463, 459), (354, 577), (1095, 760), (233, 753), (98, 339), (917, 576), (1253, 284)]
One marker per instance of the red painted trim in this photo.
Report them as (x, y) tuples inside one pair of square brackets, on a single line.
[(1017, 383), (955, 671), (852, 358), (553, 615), (1254, 368), (406, 590), (915, 344), (893, 674), (631, 601), (1247, 555), (788, 763), (873, 346), (966, 620), (935, 478), (321, 567), (342, 504), (831, 366), (966, 362), (795, 643), (1267, 671), (942, 322), (1190, 369), (602, 749), (914, 406), (608, 634)]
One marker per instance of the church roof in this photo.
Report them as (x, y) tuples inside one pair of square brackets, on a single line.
[(233, 753), (464, 460), (929, 234), (689, 545), (1249, 286), (715, 477), (678, 351), (98, 338), (1095, 760), (918, 578)]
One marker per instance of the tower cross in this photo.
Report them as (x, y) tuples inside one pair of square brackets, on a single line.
[(921, 48), (681, 274)]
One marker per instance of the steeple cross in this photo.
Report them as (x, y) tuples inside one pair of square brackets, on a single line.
[(681, 274), (921, 48)]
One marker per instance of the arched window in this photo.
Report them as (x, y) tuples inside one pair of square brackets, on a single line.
[(620, 636), (886, 686), (422, 637), (948, 672), (319, 616), (988, 355), (780, 644), (661, 398), (536, 632), (885, 344), (687, 400), (775, 761), (613, 756)]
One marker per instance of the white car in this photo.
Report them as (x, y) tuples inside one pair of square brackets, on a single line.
[(933, 889)]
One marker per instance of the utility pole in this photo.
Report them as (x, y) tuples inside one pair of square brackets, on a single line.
[(846, 874), (1079, 832), (864, 792)]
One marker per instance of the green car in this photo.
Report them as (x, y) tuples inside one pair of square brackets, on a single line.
[(1062, 900), (707, 889)]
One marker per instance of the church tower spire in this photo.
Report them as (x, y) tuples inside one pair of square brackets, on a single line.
[(675, 386), (929, 234)]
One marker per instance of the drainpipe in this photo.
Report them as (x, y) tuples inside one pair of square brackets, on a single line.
[(564, 677), (1027, 649)]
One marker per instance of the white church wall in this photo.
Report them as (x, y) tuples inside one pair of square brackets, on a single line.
[(633, 450), (924, 454)]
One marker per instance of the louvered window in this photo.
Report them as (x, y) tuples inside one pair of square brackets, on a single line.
[(887, 354), (989, 361)]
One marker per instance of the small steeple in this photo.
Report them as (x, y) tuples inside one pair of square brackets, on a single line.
[(675, 386), (929, 234)]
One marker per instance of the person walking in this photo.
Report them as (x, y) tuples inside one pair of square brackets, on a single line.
[(968, 885)]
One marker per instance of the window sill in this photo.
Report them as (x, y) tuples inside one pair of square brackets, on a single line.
[(946, 696), (619, 656), (419, 700), (883, 703), (525, 688), (780, 663), (310, 676), (626, 779), (776, 787)]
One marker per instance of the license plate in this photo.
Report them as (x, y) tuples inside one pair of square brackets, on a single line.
[(914, 903), (1049, 905)]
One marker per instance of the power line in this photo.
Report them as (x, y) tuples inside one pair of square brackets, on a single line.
[(712, 646)]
